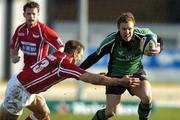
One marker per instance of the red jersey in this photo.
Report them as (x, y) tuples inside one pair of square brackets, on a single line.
[(34, 42), (47, 72)]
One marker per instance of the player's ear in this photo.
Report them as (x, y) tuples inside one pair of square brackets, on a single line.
[(74, 56), (75, 53)]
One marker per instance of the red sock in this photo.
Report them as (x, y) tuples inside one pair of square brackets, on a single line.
[(32, 117), (28, 118)]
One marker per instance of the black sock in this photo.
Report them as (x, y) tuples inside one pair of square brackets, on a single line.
[(143, 118), (100, 115), (144, 111)]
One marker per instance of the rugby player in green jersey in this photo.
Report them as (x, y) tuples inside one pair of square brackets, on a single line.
[(125, 54)]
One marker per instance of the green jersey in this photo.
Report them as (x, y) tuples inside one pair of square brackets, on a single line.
[(125, 57)]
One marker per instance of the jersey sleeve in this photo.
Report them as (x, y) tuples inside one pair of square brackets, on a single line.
[(106, 44), (104, 48), (15, 41), (69, 70), (90, 60), (52, 37)]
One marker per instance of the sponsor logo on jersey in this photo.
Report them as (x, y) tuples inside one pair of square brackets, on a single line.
[(35, 36), (29, 48), (120, 52), (127, 56), (21, 34)]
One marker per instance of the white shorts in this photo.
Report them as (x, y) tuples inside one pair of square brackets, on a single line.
[(16, 97)]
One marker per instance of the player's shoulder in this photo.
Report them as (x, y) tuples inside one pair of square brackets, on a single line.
[(45, 28), (21, 26), (142, 31), (42, 25), (59, 55), (110, 38), (111, 35)]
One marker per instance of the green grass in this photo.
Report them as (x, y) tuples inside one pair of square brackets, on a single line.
[(158, 114)]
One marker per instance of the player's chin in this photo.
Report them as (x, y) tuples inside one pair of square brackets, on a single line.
[(127, 39)]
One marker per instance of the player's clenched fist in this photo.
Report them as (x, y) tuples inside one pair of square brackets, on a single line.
[(15, 59)]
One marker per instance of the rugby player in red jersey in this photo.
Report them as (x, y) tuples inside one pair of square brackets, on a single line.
[(22, 88), (33, 39)]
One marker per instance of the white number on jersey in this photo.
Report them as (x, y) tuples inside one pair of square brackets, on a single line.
[(44, 63), (40, 67)]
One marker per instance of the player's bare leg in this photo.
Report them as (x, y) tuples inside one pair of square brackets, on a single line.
[(111, 105), (39, 108), (145, 94), (5, 115), (111, 108)]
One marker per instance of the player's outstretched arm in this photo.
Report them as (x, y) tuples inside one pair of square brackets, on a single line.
[(104, 80)]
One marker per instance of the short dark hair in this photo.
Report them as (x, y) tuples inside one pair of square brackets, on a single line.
[(125, 17), (31, 4), (72, 45)]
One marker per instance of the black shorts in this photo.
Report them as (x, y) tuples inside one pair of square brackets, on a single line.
[(141, 74)]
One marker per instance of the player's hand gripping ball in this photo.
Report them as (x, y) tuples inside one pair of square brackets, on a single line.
[(149, 45)]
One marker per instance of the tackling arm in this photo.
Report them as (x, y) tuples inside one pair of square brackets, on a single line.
[(104, 80)]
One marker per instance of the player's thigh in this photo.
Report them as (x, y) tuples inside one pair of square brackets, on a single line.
[(5, 115), (143, 91), (39, 106), (112, 101)]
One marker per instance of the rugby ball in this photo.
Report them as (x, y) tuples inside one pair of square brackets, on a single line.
[(148, 44)]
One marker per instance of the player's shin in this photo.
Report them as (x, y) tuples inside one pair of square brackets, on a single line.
[(144, 111), (100, 115)]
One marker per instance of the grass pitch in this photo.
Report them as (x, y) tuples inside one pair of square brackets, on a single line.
[(158, 114)]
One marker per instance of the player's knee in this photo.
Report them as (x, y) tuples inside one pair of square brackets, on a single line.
[(147, 99), (44, 111), (40, 100)]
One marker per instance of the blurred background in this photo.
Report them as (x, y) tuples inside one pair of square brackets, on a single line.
[(90, 21)]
